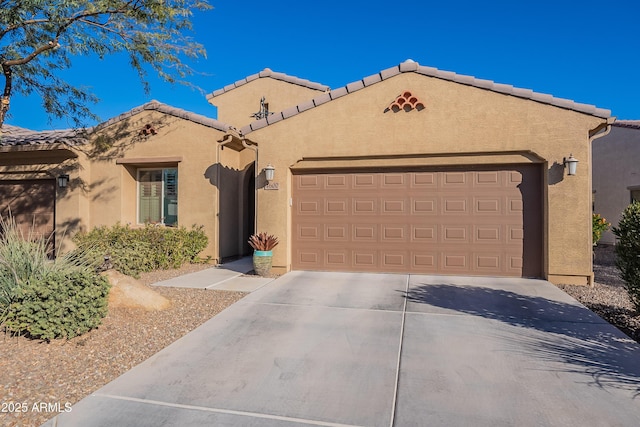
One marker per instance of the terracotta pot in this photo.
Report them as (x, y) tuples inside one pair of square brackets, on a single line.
[(262, 262)]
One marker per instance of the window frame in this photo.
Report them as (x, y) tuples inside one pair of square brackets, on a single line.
[(163, 214), (633, 189)]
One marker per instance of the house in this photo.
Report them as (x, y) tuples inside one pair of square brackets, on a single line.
[(411, 169), (616, 172)]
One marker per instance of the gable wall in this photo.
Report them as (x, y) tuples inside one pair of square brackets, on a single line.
[(112, 189), (238, 105), (457, 120)]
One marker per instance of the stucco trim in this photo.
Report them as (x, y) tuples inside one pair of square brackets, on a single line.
[(413, 67), (267, 73), (12, 136), (417, 160), (148, 160), (566, 279)]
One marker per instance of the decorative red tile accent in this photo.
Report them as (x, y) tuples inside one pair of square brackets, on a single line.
[(406, 102)]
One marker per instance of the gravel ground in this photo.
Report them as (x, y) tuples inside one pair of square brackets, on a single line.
[(608, 297), (62, 372)]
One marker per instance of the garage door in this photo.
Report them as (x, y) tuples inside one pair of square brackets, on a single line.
[(476, 221), (32, 204)]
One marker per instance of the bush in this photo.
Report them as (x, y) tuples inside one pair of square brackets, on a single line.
[(60, 305), (136, 250), (598, 226), (628, 251), (43, 298)]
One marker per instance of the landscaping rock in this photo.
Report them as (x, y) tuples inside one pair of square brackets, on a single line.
[(131, 293)]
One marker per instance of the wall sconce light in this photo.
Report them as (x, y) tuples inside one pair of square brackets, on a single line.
[(571, 164), (63, 180), (269, 172)]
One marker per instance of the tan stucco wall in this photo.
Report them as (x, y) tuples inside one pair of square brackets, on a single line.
[(458, 120), (237, 106), (36, 162), (615, 169), (103, 192), (112, 191)]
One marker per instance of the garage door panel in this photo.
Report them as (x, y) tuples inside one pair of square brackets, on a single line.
[(455, 262), (423, 180), (336, 232), (424, 234), (365, 206), (425, 206), (337, 182), (364, 181), (336, 258), (393, 206), (365, 259), (487, 261), (483, 221), (393, 233), (488, 234), (455, 206), (454, 179), (334, 206), (488, 179), (488, 205), (426, 262), (309, 182), (395, 260), (365, 233)]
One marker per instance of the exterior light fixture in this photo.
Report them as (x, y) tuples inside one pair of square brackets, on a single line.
[(63, 180), (269, 172), (571, 163)]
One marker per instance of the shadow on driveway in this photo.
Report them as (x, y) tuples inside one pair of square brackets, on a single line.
[(556, 331)]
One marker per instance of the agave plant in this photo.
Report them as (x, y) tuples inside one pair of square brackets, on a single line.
[(263, 241)]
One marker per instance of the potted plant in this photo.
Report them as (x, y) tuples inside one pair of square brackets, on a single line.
[(263, 245)]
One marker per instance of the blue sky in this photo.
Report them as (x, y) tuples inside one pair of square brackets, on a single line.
[(587, 51)]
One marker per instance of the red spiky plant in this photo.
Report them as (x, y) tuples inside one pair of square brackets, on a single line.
[(263, 241)]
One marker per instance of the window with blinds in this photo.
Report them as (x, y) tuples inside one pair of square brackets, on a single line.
[(158, 196)]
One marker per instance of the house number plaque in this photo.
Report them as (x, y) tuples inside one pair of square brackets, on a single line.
[(272, 186)]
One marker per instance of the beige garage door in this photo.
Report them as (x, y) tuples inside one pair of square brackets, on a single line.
[(476, 221), (32, 204)]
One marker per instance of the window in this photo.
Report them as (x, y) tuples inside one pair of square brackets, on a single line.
[(158, 196), (635, 195)]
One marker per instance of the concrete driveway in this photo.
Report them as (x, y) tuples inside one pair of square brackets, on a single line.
[(344, 349)]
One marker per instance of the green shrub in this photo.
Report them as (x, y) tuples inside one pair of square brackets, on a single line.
[(60, 305), (628, 251), (44, 298), (598, 226), (136, 250)]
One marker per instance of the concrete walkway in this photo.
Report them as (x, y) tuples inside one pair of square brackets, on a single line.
[(343, 349), (225, 277)]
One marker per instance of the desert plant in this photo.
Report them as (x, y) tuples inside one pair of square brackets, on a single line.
[(59, 305), (132, 251), (263, 241), (628, 251), (45, 298), (598, 226)]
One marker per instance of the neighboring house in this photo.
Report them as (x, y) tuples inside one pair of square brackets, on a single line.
[(616, 172), (409, 170)]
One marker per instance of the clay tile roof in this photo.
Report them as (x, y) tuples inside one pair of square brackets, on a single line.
[(14, 135), (270, 74), (167, 109), (634, 124), (410, 66)]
